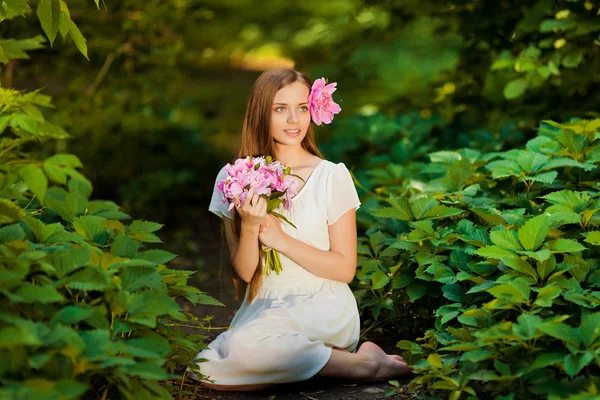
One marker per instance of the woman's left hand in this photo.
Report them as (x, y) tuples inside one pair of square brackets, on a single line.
[(270, 233)]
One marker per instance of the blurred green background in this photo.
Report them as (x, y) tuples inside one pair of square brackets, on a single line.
[(158, 107)]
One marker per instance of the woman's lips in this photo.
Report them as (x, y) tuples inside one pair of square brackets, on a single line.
[(292, 132)]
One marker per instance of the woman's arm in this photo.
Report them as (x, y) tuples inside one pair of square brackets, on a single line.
[(339, 263), (244, 253)]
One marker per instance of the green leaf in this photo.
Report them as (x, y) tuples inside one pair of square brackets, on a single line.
[(91, 228), (30, 293), (13, 335), (71, 315), (565, 246), (592, 237), (379, 279), (421, 206), (547, 359), (434, 360), (531, 162), (515, 89), (561, 331), (441, 211), (528, 324), (533, 233), (454, 292), (544, 177), (78, 38), (590, 329), (150, 347), (11, 233), (377, 240), (506, 239), (35, 180), (144, 370), (123, 246), (521, 266), (508, 292), (48, 11), (495, 252), (546, 295), (144, 226), (417, 289), (156, 256), (573, 363), (9, 211)]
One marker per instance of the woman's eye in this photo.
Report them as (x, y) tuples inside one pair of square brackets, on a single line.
[(304, 108), (279, 109)]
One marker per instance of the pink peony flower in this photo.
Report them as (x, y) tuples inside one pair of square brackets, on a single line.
[(322, 106)]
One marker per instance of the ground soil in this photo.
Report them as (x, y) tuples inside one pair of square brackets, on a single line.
[(202, 250)]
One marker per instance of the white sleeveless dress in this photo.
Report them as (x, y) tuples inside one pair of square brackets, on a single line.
[(287, 333)]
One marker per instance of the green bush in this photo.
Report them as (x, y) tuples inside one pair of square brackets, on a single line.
[(84, 308), (497, 254)]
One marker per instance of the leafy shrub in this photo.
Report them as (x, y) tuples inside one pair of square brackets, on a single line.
[(83, 307), (506, 243)]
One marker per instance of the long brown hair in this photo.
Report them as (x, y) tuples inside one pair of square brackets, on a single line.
[(257, 141)]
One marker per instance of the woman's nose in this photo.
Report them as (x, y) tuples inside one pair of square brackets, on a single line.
[(292, 117)]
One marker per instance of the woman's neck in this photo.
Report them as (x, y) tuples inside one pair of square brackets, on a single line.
[(293, 157)]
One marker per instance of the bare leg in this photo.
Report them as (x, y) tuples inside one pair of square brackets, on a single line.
[(370, 363)]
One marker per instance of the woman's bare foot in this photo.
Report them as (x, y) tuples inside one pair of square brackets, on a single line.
[(388, 366)]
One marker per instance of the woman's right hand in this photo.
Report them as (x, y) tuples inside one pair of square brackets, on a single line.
[(253, 210)]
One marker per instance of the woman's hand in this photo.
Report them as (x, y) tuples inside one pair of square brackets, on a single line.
[(253, 211), (270, 233)]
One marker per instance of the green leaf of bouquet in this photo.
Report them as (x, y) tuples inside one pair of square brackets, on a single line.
[(379, 279), (11, 233), (592, 237), (283, 218), (506, 239), (561, 331), (561, 162), (48, 11), (575, 363), (568, 198), (533, 233), (90, 278), (546, 295), (515, 89), (565, 246), (590, 329)]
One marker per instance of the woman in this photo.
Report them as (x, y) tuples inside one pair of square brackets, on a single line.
[(303, 322)]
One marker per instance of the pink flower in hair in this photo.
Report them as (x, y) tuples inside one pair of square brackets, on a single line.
[(322, 106)]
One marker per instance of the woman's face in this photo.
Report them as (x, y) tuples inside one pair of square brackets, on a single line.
[(290, 116)]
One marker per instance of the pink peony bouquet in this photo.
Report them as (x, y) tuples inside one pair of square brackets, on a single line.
[(321, 104), (271, 180)]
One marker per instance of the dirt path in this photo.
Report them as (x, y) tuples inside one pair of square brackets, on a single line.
[(207, 258)]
